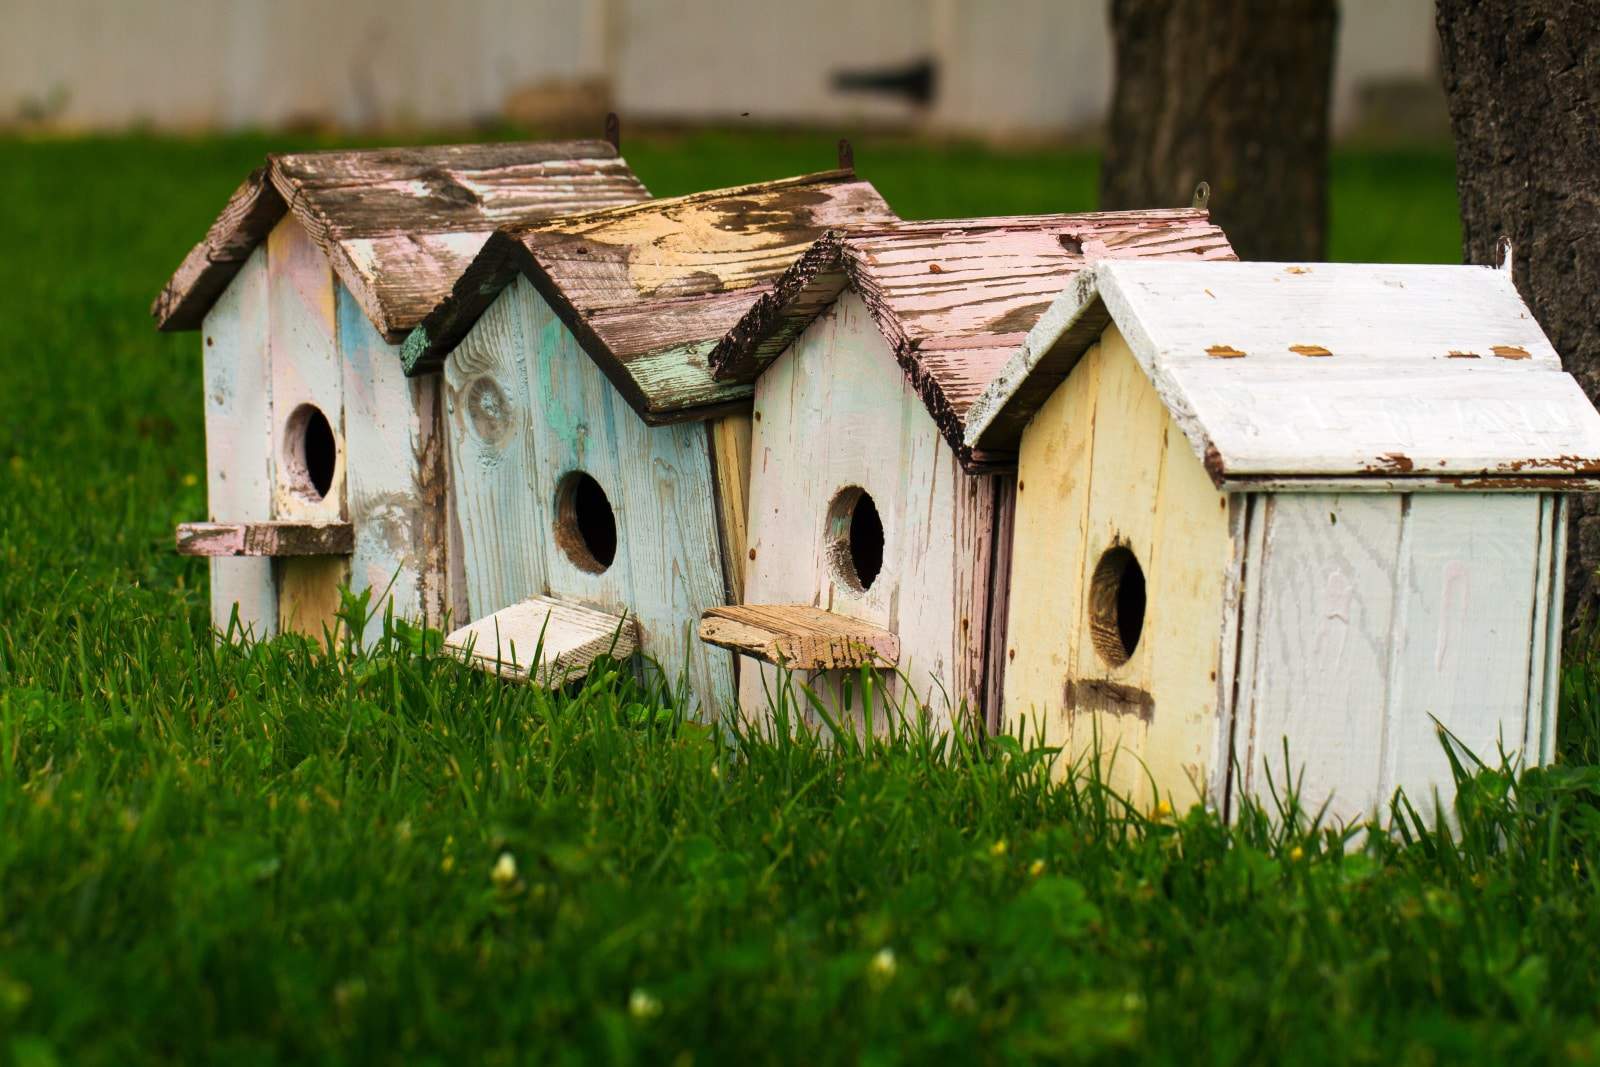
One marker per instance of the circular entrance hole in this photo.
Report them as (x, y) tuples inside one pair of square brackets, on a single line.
[(586, 527), (855, 538), (311, 452), (1116, 605)]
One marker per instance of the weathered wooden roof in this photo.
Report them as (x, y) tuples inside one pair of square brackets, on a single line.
[(399, 225), (1297, 376), (955, 299), (649, 289)]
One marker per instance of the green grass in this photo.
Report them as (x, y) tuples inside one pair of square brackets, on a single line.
[(285, 853)]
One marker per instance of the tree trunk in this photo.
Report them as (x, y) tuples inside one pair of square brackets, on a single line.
[(1523, 81), (1234, 93)]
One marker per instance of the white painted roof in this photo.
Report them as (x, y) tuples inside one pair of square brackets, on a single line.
[(1294, 375)]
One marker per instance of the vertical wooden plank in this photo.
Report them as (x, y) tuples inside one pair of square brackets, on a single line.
[(1242, 625), (1124, 508), (1186, 582), (1550, 697), (492, 455), (1468, 574), (238, 442), (433, 533), (668, 566), (302, 339), (999, 607), (1048, 550), (386, 435), (1538, 659), (729, 439), (1322, 661)]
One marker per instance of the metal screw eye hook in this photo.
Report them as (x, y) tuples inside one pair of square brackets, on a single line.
[(1202, 196), (1502, 252)]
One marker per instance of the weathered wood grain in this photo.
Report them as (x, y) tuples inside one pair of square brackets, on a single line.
[(386, 433), (493, 444), (955, 299), (729, 440), (528, 407), (305, 369), (648, 289), (835, 411), (222, 539), (398, 225), (799, 637), (544, 640), (1431, 372), (308, 594), (238, 398), (1380, 619), (1465, 636)]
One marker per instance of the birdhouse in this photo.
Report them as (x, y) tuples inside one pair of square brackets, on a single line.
[(596, 464), (1268, 508), (876, 535), (324, 463)]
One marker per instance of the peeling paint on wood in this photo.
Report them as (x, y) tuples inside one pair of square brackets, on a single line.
[(302, 342), (398, 224), (527, 408), (649, 289), (1396, 400), (836, 413), (221, 539), (955, 299), (238, 401)]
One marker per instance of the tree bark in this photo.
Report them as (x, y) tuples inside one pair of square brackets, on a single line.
[(1523, 82), (1232, 92)]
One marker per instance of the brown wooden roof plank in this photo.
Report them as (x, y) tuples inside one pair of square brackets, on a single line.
[(398, 225), (650, 288)]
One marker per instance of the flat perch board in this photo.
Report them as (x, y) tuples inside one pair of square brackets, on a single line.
[(265, 539), (799, 637), (505, 642)]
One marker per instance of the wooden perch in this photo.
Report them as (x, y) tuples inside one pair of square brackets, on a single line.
[(506, 642), (799, 637), (265, 539)]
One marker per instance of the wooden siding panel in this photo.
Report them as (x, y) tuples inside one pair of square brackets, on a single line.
[(1322, 659), (493, 450), (238, 442), (1466, 636), (385, 417), (1048, 565), (1124, 508)]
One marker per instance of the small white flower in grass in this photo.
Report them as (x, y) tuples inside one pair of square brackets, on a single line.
[(883, 966), (641, 1005), (505, 870)]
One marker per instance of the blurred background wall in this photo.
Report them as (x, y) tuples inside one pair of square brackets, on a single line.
[(992, 68)]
